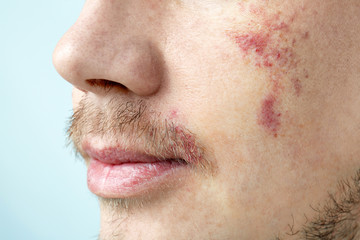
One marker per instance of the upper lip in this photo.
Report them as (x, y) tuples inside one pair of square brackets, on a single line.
[(118, 155)]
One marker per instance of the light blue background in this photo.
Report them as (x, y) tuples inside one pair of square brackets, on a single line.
[(43, 192)]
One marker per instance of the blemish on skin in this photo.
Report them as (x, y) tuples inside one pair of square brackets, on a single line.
[(277, 86), (281, 26), (275, 24), (261, 45), (306, 35), (267, 63), (297, 86), (252, 41), (269, 118), (173, 114), (267, 41), (256, 10), (192, 153)]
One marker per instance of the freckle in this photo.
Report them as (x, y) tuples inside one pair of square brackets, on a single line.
[(306, 35), (268, 117), (297, 86)]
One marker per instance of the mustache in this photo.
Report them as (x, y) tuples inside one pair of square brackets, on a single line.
[(132, 124)]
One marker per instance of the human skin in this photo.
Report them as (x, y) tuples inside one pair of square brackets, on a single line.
[(270, 89)]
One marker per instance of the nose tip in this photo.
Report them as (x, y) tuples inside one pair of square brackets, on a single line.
[(134, 63)]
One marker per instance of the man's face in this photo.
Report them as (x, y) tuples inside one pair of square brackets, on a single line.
[(217, 119)]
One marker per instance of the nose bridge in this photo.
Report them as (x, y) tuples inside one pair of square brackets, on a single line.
[(111, 41), (102, 19)]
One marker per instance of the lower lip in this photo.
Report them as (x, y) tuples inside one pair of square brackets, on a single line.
[(129, 179)]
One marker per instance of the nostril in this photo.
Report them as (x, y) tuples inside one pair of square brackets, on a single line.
[(105, 84)]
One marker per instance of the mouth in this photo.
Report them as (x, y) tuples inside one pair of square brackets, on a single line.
[(117, 172)]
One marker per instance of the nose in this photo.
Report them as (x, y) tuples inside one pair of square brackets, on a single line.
[(109, 47)]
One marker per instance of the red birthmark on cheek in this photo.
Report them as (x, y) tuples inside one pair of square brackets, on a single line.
[(252, 42), (267, 41), (262, 50), (268, 117)]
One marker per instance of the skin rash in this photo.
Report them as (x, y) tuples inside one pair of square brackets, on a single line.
[(268, 43), (266, 93)]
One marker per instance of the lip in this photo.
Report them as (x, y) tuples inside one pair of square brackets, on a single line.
[(114, 172)]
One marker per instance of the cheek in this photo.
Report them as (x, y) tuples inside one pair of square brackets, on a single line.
[(268, 117), (268, 42)]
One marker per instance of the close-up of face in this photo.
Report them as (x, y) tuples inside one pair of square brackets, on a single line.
[(218, 119)]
